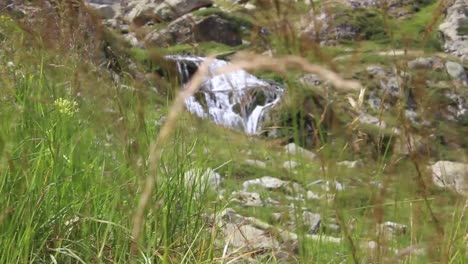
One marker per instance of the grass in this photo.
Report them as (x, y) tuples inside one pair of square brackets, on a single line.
[(74, 162)]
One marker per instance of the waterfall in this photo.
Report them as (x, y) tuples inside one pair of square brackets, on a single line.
[(237, 99)]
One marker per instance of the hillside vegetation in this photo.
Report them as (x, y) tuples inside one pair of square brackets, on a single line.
[(100, 162)]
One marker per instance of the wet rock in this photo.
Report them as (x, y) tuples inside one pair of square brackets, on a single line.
[(293, 149), (248, 198), (452, 175), (455, 40)]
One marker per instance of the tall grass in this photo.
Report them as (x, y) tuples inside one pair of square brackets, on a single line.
[(92, 168)]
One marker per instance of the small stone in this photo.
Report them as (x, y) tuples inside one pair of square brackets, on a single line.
[(257, 163), (248, 237), (312, 221), (293, 149), (202, 179), (248, 198), (312, 196), (350, 164), (265, 182), (391, 228), (290, 165), (371, 120)]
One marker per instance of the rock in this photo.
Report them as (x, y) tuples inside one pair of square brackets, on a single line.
[(293, 149), (171, 9), (391, 85), (248, 237), (140, 12), (104, 11), (248, 198), (427, 63), (311, 221), (266, 182), (104, 2), (190, 29), (257, 163), (202, 179), (389, 229), (374, 101), (312, 196), (457, 72), (451, 29), (350, 164), (218, 29), (311, 79), (376, 70), (326, 185), (452, 175), (365, 118), (290, 164)]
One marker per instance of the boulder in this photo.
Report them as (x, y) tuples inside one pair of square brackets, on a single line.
[(457, 72), (189, 29), (426, 63), (452, 175), (104, 11), (453, 29), (217, 29), (141, 12)]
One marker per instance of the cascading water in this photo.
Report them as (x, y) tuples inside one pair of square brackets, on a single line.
[(236, 99)]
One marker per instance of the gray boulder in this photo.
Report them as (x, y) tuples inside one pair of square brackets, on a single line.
[(455, 39), (457, 72), (141, 12), (452, 175)]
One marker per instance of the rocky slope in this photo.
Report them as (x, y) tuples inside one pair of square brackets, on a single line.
[(413, 105)]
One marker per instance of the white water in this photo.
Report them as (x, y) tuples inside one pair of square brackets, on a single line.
[(230, 99)]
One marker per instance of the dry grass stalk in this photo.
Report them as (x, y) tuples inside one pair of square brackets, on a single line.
[(250, 61), (156, 149)]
